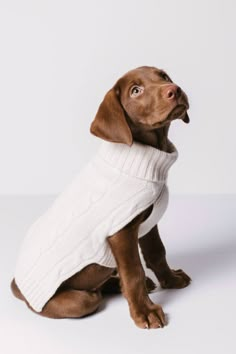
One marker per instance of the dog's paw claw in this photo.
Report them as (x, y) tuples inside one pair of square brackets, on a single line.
[(152, 317)]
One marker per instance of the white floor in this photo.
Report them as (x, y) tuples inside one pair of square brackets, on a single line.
[(199, 234)]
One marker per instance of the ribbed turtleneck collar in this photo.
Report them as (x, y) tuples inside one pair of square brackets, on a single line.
[(138, 160)]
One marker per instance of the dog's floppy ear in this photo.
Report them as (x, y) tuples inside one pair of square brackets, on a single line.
[(110, 123), (186, 118)]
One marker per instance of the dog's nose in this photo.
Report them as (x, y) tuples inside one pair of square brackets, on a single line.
[(172, 92)]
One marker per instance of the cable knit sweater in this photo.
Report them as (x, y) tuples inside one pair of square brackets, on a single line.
[(119, 183)]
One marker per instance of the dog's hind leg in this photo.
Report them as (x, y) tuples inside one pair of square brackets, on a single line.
[(66, 303), (72, 303)]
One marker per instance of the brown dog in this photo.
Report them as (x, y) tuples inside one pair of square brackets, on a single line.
[(140, 108)]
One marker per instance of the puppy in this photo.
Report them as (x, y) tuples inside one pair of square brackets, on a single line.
[(71, 253)]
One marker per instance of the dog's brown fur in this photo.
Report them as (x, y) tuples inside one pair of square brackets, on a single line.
[(139, 107)]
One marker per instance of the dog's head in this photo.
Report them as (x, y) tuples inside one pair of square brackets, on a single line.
[(145, 97)]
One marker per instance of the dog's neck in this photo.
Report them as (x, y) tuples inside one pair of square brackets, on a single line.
[(157, 138)]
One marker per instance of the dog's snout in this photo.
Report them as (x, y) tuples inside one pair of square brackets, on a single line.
[(172, 92)]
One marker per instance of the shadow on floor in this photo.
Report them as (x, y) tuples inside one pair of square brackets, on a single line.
[(206, 262), (202, 265)]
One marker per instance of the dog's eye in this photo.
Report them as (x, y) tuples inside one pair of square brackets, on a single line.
[(136, 91)]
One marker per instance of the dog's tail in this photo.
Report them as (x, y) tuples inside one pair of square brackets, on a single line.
[(16, 291)]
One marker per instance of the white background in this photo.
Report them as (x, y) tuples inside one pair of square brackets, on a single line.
[(59, 58)]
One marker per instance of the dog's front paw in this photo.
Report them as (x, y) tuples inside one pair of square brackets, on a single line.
[(176, 279), (149, 316)]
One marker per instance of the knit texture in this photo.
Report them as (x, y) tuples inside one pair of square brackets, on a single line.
[(118, 184)]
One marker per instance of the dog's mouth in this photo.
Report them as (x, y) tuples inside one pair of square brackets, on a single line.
[(178, 112)]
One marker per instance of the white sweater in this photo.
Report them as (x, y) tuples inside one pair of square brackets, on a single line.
[(117, 185)]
